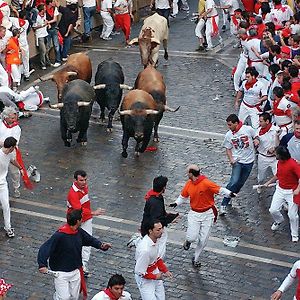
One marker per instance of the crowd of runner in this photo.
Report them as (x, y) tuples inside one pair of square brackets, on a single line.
[(266, 87)]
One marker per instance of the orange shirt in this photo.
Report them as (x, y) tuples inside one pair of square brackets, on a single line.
[(13, 58), (201, 193)]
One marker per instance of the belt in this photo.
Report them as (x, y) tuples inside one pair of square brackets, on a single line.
[(212, 16), (104, 10), (266, 155), (284, 125), (253, 106), (255, 60), (215, 211)]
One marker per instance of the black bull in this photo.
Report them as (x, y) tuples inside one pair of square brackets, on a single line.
[(75, 110), (109, 82)]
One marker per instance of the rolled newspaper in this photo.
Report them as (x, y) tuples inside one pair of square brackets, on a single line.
[(52, 273), (255, 187)]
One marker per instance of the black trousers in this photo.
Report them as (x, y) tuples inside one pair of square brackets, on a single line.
[(164, 13)]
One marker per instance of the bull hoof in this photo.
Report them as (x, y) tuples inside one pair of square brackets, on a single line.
[(67, 144), (124, 154), (110, 130), (83, 143), (156, 140), (137, 154)]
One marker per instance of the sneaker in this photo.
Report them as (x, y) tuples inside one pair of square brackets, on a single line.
[(115, 33), (64, 59), (259, 189), (295, 239), (223, 210), (86, 272), (186, 245), (196, 264), (26, 78), (224, 28), (173, 16), (200, 48), (57, 64), (10, 232), (43, 68), (107, 38), (132, 242), (17, 193), (275, 226)]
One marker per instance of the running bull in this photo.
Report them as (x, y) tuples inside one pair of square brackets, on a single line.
[(154, 31), (137, 116), (152, 82), (75, 110), (78, 66), (109, 80)]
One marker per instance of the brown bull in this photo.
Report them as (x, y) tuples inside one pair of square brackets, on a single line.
[(137, 117), (154, 31), (152, 82), (78, 66)]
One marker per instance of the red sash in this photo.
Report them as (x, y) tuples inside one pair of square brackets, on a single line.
[(110, 294), (28, 184), (215, 28), (265, 130)]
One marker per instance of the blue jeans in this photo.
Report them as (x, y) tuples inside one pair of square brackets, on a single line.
[(239, 174), (52, 36), (66, 46), (88, 13)]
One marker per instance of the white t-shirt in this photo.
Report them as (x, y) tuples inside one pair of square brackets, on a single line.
[(255, 43), (6, 132), (267, 141), (282, 14), (41, 32), (124, 4), (252, 95), (4, 163), (103, 296), (295, 28), (4, 40), (88, 3), (234, 4), (211, 4), (241, 144), (106, 4), (162, 4), (284, 105)]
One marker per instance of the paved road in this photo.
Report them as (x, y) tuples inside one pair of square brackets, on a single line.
[(201, 84)]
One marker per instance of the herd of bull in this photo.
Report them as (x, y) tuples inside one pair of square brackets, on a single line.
[(140, 110)]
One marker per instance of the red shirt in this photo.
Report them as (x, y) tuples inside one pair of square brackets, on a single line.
[(288, 174), (248, 5), (79, 199)]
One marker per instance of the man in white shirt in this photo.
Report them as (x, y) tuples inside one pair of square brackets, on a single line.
[(253, 92), (114, 290), (6, 158), (5, 35), (108, 22), (280, 13), (162, 7), (150, 268), (241, 154), (266, 140), (89, 9), (9, 126)]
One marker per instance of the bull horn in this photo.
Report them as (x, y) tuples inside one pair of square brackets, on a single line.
[(125, 87), (58, 105), (167, 108), (45, 78), (99, 86), (72, 73), (151, 112), (125, 112), (83, 103)]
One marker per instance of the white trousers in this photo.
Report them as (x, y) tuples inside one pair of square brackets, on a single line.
[(15, 73), (150, 289), (67, 285), (263, 163), (3, 76), (199, 228), (15, 174), (209, 30), (4, 199), (240, 69), (86, 251), (279, 198), (199, 27), (108, 24), (25, 60), (251, 112), (175, 8)]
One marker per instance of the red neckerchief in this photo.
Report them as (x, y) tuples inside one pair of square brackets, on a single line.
[(10, 125), (3, 4), (280, 7), (198, 180), (265, 130), (50, 11), (235, 20), (110, 294), (238, 127), (67, 229), (151, 193), (21, 22), (249, 85)]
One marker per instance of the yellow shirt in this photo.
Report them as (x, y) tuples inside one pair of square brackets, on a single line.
[(201, 6)]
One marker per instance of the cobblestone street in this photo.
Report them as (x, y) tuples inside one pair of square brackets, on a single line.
[(201, 85)]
